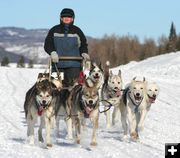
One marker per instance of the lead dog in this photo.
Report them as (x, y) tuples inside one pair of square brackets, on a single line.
[(83, 102), (152, 92), (40, 102), (133, 108)]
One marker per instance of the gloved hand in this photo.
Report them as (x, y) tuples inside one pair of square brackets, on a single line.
[(54, 57), (85, 56)]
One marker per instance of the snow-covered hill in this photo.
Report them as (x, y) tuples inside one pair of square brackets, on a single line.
[(26, 42), (162, 124)]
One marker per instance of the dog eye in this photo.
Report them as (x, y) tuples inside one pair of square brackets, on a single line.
[(134, 88), (141, 88), (87, 95), (47, 96), (150, 90), (118, 82), (113, 82), (156, 90), (40, 95)]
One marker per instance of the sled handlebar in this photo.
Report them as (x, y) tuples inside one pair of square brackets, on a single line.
[(71, 58)]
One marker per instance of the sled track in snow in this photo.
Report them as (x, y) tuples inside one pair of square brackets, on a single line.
[(9, 121), (14, 89)]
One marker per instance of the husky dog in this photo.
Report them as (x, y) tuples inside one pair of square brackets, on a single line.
[(111, 92), (96, 76), (133, 108), (83, 102), (39, 102), (152, 91)]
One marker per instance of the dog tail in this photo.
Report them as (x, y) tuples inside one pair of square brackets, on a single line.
[(106, 71)]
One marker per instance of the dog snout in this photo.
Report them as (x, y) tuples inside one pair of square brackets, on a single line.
[(154, 95), (137, 94), (90, 101), (116, 88), (44, 102)]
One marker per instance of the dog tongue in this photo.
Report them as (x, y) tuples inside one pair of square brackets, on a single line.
[(88, 110), (152, 100), (118, 93), (40, 110)]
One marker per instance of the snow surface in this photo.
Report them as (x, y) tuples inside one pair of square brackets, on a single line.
[(162, 124)]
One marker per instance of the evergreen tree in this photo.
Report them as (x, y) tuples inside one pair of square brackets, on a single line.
[(21, 62), (172, 39), (30, 64), (5, 61), (178, 43)]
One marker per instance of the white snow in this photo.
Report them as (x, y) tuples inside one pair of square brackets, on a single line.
[(11, 33), (162, 124)]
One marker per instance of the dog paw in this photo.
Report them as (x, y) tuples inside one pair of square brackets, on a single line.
[(30, 140), (125, 137), (134, 136), (49, 145), (78, 141), (93, 143), (69, 137)]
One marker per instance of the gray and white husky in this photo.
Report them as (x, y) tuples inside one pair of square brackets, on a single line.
[(83, 102), (96, 76), (40, 102), (112, 92)]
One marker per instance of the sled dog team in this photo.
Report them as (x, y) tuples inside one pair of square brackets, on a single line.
[(49, 101)]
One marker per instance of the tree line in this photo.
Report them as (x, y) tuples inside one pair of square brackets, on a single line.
[(20, 62), (121, 50)]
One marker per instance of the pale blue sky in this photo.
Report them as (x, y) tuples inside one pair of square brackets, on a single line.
[(144, 18)]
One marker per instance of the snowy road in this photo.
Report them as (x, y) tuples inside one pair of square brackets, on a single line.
[(162, 124)]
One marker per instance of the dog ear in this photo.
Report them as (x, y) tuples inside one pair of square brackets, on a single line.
[(100, 66), (92, 66), (144, 79), (119, 73), (134, 79)]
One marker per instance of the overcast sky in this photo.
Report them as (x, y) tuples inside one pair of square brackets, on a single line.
[(144, 18)]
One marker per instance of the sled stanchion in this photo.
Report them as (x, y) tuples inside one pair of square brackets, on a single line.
[(50, 69)]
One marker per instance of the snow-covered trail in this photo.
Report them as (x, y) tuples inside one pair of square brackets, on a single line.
[(162, 124)]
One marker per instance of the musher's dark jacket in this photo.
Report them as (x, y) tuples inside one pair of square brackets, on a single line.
[(66, 42)]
